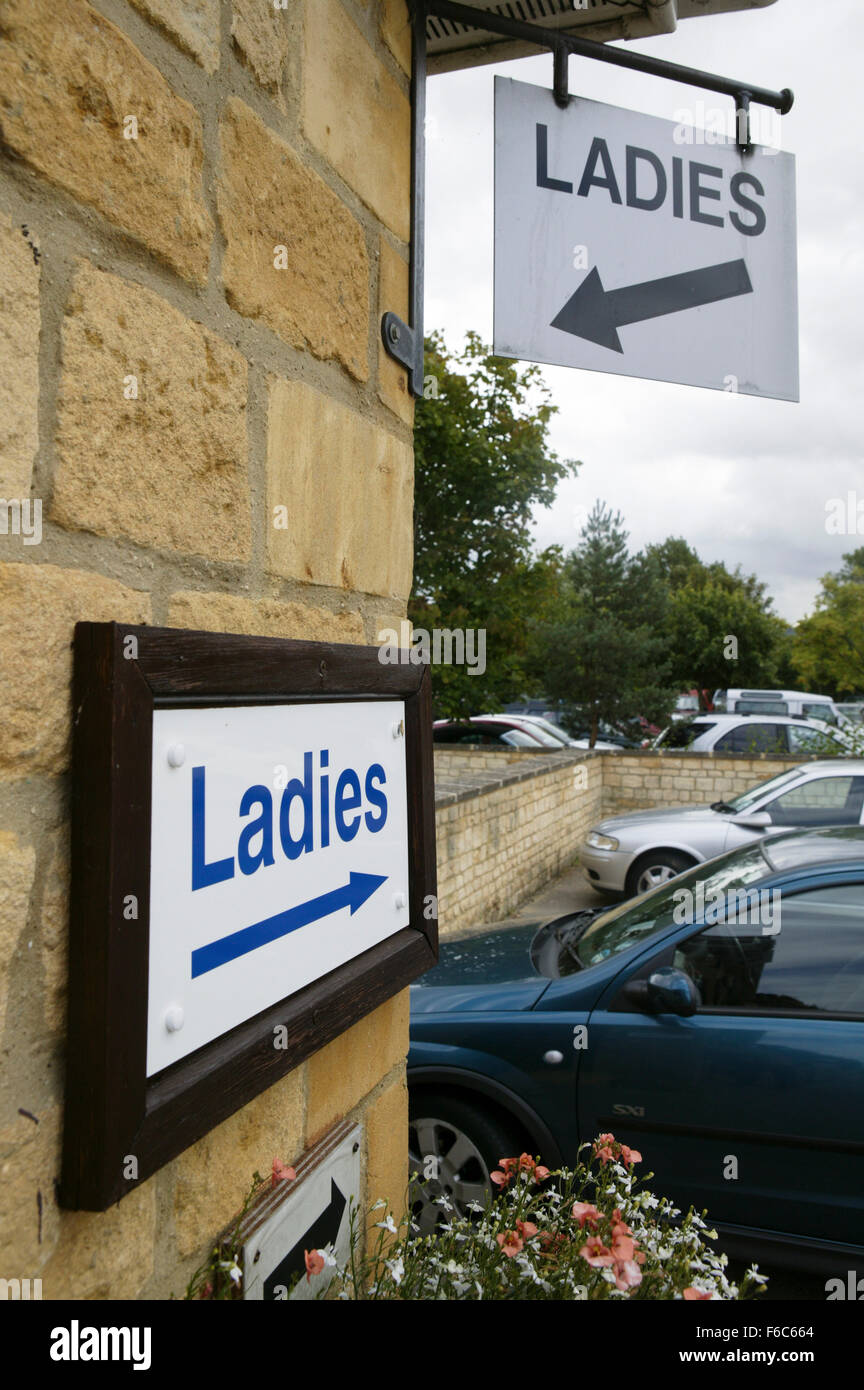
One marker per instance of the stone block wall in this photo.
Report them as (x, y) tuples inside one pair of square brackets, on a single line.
[(503, 833), (204, 211)]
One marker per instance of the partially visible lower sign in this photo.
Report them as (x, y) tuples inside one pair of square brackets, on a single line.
[(309, 1214)]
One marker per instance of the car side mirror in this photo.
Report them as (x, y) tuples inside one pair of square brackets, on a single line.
[(670, 991), (756, 820)]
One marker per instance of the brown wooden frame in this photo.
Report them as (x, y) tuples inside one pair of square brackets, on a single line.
[(112, 1110)]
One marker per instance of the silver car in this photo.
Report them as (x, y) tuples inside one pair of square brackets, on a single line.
[(635, 852)]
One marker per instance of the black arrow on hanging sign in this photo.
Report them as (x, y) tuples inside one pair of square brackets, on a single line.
[(323, 1231), (596, 313)]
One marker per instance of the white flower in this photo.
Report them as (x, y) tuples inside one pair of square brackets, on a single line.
[(380, 1203), (388, 1224), (444, 1202), (397, 1269)]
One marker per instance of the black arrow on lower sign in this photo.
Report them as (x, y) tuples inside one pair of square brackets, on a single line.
[(323, 1231), (596, 313)]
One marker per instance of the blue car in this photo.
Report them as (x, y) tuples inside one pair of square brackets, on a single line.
[(715, 1024)]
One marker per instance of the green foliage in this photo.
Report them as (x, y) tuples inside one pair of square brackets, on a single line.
[(482, 463), (708, 605), (828, 647), (602, 654)]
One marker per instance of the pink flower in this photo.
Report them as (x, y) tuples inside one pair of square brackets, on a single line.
[(603, 1147), (628, 1275), (526, 1164), (280, 1173), (584, 1211), (595, 1253), (693, 1295), (314, 1263), (622, 1247), (630, 1155), (502, 1175), (526, 1229), (510, 1242)]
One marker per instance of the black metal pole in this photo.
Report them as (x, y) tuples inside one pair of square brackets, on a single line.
[(605, 53), (404, 342)]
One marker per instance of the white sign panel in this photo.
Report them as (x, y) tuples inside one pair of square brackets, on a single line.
[(620, 247), (279, 850)]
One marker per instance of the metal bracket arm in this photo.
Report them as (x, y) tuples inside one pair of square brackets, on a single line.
[(404, 342)]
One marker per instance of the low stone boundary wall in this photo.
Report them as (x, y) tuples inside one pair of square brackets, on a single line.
[(505, 830), (508, 822)]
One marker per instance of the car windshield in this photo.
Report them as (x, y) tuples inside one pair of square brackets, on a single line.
[(632, 923), (774, 784), (557, 734)]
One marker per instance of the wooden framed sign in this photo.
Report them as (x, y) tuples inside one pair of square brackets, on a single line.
[(253, 870)]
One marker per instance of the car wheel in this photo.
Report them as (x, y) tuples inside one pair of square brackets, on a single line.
[(453, 1147), (655, 868)]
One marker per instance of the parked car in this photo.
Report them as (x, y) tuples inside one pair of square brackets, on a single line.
[(494, 730), (553, 730), (695, 1044), (739, 701), (754, 733), (635, 852), (513, 730)]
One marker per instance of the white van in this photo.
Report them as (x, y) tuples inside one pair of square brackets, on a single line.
[(792, 702)]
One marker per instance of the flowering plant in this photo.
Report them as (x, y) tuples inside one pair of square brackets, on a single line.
[(220, 1276), (593, 1231)]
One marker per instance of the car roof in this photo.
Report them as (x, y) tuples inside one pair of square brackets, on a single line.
[(743, 692), (741, 718)]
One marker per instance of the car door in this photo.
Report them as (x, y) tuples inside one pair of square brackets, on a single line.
[(754, 1106)]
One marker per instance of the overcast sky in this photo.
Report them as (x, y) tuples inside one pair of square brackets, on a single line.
[(743, 479)]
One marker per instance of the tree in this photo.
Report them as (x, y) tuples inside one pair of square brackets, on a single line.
[(602, 656), (482, 464), (828, 646), (720, 628)]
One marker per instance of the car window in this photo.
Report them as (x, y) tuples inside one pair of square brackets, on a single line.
[(517, 739), (686, 731), (820, 801), (814, 962), (748, 799), (753, 738), (761, 707), (820, 711), (629, 924), (804, 740)]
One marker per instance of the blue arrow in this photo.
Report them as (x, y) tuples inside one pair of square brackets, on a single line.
[(352, 894)]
